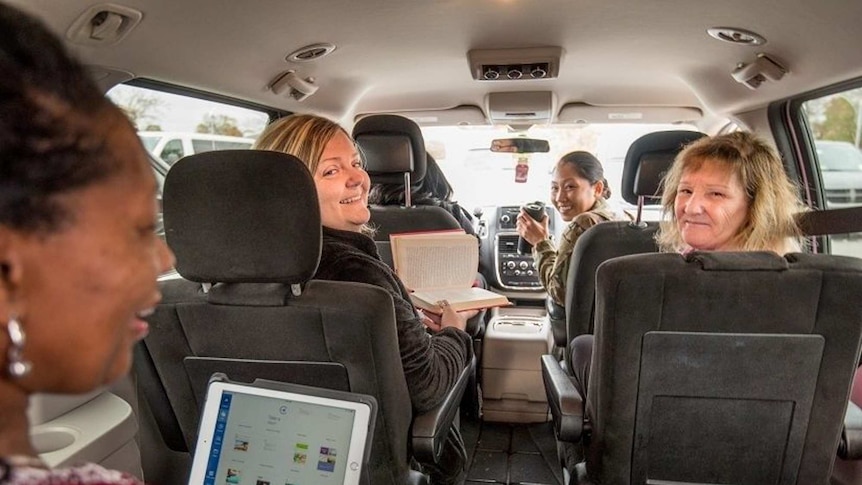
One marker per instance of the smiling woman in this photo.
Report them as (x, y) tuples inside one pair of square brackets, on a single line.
[(729, 193), (78, 252), (432, 361)]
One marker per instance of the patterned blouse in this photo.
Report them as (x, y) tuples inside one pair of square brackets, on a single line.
[(84, 474)]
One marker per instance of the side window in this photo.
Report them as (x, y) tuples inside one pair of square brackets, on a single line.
[(164, 120), (836, 126), (172, 151)]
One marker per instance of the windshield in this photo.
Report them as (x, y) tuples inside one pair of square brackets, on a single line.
[(482, 178), (838, 157)]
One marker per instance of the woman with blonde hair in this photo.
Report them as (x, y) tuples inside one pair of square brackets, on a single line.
[(729, 193), (723, 193), (432, 361)]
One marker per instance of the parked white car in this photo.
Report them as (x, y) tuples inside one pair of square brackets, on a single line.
[(841, 167), (171, 146)]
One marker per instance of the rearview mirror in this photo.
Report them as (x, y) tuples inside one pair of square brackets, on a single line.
[(520, 145)]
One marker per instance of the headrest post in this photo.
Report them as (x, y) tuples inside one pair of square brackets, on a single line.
[(408, 201), (296, 289), (640, 209)]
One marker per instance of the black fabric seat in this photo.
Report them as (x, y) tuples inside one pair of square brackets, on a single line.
[(245, 228), (394, 153), (646, 162), (715, 368)]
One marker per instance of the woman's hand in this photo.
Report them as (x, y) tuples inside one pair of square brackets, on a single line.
[(449, 318), (531, 230)]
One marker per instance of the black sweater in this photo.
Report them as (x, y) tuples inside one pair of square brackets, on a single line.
[(432, 362)]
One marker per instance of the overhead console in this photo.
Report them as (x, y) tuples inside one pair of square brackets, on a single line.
[(515, 64), (520, 107)]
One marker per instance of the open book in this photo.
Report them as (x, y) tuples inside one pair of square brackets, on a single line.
[(441, 265)]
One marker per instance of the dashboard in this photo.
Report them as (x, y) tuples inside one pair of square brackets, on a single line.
[(502, 265)]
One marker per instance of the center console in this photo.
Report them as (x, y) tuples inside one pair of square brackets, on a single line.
[(514, 271), (512, 386)]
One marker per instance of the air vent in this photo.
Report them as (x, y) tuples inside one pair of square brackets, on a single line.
[(310, 52), (508, 244), (534, 63), (513, 72), (733, 35)]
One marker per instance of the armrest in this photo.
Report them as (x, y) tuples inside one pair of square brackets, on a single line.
[(850, 446), (429, 430), (567, 406)]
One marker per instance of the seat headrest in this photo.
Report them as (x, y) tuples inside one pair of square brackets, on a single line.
[(648, 159), (392, 145), (242, 216)]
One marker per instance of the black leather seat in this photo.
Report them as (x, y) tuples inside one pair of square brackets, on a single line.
[(715, 368), (394, 153), (245, 228), (646, 162)]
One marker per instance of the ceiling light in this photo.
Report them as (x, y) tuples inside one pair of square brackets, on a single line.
[(736, 36)]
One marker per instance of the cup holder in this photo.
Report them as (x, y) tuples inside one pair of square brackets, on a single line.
[(53, 439)]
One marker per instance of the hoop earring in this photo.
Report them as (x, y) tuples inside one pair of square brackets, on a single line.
[(16, 366)]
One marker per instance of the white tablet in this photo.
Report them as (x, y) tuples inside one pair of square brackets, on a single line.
[(293, 435)]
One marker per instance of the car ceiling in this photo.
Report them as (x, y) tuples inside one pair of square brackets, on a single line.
[(396, 55)]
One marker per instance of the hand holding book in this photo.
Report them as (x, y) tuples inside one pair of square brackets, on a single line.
[(449, 317), (441, 266)]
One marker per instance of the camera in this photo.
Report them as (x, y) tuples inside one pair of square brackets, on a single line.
[(536, 210)]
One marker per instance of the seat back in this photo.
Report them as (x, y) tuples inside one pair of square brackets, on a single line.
[(646, 162), (394, 153), (245, 228), (722, 367)]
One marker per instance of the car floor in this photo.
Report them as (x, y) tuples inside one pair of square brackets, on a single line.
[(504, 453)]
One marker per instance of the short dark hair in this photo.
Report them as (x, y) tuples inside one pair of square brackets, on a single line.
[(52, 125)]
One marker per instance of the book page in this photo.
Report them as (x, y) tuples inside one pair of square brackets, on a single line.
[(435, 260), (459, 299)]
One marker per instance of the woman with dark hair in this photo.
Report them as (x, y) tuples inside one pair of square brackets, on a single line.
[(579, 192), (79, 256), (434, 189)]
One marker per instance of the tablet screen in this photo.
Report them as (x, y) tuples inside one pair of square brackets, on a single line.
[(258, 436)]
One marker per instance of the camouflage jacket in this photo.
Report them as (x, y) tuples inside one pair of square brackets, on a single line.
[(553, 263)]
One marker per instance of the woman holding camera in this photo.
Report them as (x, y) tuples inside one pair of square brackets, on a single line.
[(579, 192)]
